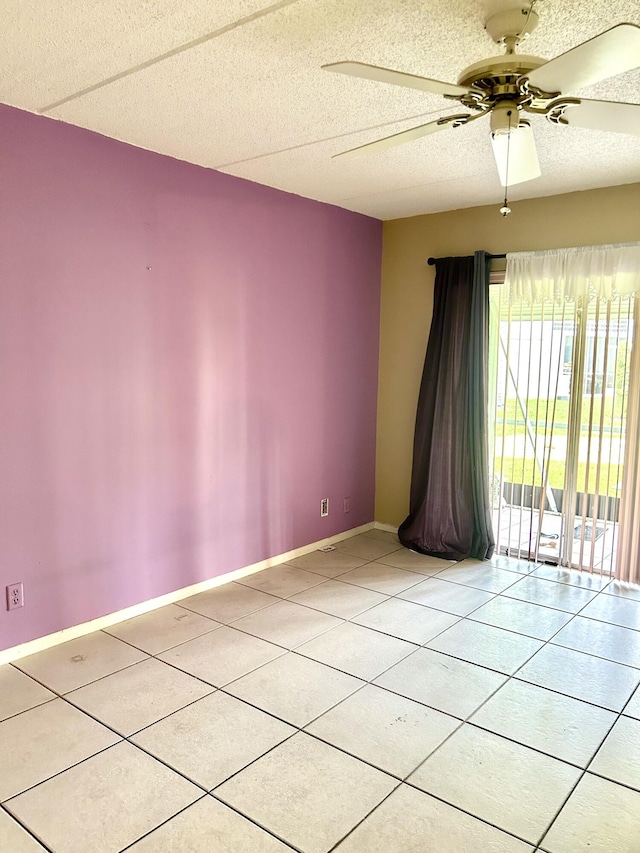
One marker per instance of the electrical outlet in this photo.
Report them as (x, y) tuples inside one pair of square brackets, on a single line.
[(347, 505), (324, 507), (15, 596)]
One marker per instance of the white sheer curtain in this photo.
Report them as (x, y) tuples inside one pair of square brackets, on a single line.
[(587, 271), (628, 562), (583, 276)]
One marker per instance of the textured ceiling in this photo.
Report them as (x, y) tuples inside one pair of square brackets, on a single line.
[(237, 86)]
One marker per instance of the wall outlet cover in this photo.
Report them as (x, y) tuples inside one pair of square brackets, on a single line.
[(15, 596)]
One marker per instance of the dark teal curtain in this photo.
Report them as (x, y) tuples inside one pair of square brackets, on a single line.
[(450, 511)]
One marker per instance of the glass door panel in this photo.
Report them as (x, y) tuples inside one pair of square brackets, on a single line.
[(559, 377)]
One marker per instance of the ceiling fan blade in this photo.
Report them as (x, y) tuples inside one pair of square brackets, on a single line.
[(516, 155), (405, 136), (604, 115), (398, 78), (613, 52)]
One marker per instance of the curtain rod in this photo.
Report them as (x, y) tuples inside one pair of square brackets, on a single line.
[(431, 261)]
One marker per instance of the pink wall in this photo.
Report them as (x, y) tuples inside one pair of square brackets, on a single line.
[(188, 364)]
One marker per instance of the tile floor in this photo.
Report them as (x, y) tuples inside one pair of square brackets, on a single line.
[(364, 700)]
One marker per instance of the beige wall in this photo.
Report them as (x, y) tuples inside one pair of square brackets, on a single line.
[(610, 215)]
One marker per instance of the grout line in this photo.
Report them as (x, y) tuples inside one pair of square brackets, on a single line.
[(288, 844), (147, 834), (64, 770), (31, 707), (60, 695), (366, 817), (629, 787), (26, 829), (470, 814), (559, 692)]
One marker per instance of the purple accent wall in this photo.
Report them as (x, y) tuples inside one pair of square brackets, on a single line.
[(188, 364)]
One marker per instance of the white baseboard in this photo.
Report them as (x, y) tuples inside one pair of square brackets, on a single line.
[(388, 527), (84, 628)]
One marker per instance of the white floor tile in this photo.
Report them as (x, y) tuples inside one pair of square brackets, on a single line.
[(294, 688), (450, 597), (209, 826), (45, 740), (444, 683), (601, 639), (384, 535), (19, 692), (286, 624), (480, 576), (77, 662), (15, 839), (412, 622), (343, 600), (228, 602), (582, 676), (614, 609), (307, 793), (548, 593), (382, 578), (356, 650), (392, 733), (550, 722), (367, 547), (600, 816), (584, 580), (222, 656), (486, 646), (624, 590), (104, 803), (327, 563), (508, 785), (512, 564), (414, 562), (410, 821), (213, 738), (532, 620), (161, 629), (281, 581), (619, 756), (633, 708), (135, 697)]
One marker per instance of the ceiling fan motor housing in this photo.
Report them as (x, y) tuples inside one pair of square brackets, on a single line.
[(498, 79), (504, 118)]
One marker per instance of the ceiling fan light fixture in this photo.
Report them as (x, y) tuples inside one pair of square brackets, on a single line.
[(515, 154), (504, 118)]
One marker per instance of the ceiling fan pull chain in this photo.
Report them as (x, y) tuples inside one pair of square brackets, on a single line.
[(505, 210)]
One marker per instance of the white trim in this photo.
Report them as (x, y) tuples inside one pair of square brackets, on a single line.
[(379, 525), (81, 630)]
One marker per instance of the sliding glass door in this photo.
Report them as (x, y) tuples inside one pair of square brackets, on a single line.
[(559, 379)]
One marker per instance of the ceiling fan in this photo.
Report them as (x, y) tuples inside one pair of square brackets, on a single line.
[(510, 86)]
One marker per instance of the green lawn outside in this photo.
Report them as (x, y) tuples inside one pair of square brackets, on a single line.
[(510, 422), (610, 475), (542, 414)]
